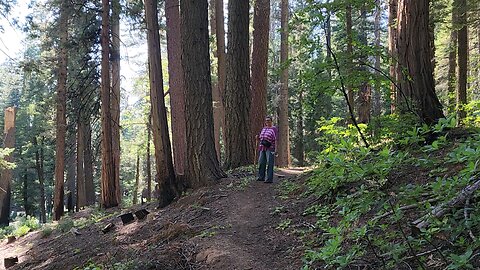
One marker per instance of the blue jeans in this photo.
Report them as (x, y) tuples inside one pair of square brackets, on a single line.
[(264, 158)]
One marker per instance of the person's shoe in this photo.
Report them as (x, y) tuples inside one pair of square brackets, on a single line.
[(268, 181), (260, 179)]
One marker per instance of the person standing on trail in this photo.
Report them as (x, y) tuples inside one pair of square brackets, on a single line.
[(266, 141)]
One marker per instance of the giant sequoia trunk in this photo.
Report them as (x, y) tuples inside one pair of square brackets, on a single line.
[(461, 5), (110, 188), (61, 120), (237, 94), (414, 56), (283, 141), (261, 27), (165, 176), (81, 195), (7, 174), (201, 160), (176, 83), (115, 91)]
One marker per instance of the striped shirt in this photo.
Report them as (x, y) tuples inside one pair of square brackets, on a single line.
[(269, 134)]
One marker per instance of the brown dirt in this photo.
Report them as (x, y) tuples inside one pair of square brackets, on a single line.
[(230, 225)]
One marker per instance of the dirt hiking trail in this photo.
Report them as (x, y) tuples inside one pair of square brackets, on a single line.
[(233, 224)]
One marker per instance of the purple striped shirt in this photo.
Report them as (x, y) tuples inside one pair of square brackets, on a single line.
[(269, 134)]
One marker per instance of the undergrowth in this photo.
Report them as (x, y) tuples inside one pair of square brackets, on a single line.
[(367, 198)]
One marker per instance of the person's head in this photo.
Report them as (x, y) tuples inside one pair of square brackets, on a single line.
[(268, 121)]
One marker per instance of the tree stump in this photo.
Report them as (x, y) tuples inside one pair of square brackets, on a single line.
[(10, 261), (127, 218), (11, 239), (141, 214)]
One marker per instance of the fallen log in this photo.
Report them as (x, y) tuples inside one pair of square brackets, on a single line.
[(443, 208)]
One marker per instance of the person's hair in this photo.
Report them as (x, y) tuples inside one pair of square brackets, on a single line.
[(269, 117)]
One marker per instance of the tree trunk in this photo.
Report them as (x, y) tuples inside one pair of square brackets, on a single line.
[(237, 94), (283, 146), (219, 95), (149, 163), (452, 60), (461, 6), (351, 101), (137, 181), (300, 148), (165, 176), (88, 164), (259, 68), (110, 188), (81, 194), (364, 95), (41, 177), (377, 107), (115, 91), (414, 56), (71, 172), (176, 83), (201, 160), (26, 205), (6, 175), (392, 50), (61, 128)]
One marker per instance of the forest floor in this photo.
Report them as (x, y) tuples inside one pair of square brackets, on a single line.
[(234, 224)]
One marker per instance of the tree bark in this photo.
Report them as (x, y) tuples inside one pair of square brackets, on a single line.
[(414, 56), (115, 91), (149, 163), (283, 146), (392, 50), (165, 176), (61, 113), (26, 205), (88, 164), (176, 83), (6, 175), (81, 193), (41, 177), (377, 107), (219, 95), (452, 61), (351, 100), (110, 188), (237, 94), (461, 6), (365, 93), (71, 171), (202, 164), (137, 181), (300, 147), (259, 68)]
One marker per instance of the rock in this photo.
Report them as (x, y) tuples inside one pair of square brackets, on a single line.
[(10, 261), (109, 227), (210, 255)]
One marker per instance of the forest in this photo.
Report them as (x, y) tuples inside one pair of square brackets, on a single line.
[(131, 134)]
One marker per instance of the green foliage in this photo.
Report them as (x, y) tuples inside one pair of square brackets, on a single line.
[(4, 152), (65, 224)]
